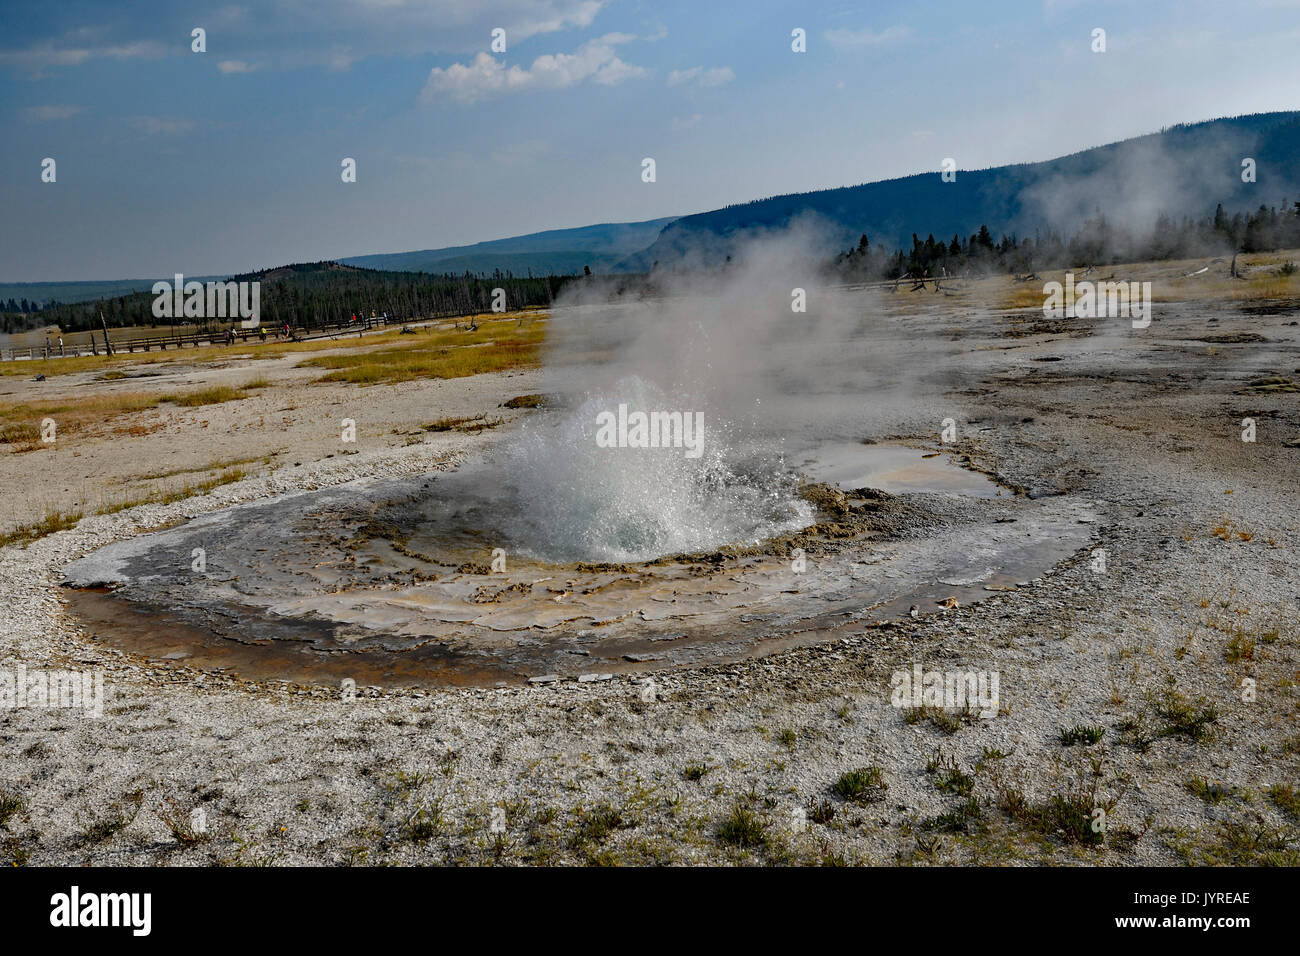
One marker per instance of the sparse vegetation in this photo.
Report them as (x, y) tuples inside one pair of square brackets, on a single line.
[(1168, 714), (948, 721), (10, 806), (21, 423), (1211, 793), (1182, 716), (595, 824), (213, 394), (490, 347), (471, 423), (525, 401), (121, 814), (964, 818), (1080, 734), (1287, 799), (1240, 647), (864, 785), (53, 521), (423, 823), (821, 811), (743, 828), (949, 777), (186, 491), (181, 823), (1240, 843)]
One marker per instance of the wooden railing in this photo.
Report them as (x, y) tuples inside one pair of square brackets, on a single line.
[(236, 336)]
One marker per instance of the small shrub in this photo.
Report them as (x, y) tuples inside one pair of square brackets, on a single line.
[(950, 778), (1081, 734), (864, 785), (1211, 793), (10, 805), (743, 828), (963, 819), (122, 815), (1286, 797), (822, 812)]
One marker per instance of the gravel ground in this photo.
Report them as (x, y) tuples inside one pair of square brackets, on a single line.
[(1182, 654)]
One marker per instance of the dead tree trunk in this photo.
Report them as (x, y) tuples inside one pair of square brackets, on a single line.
[(108, 346)]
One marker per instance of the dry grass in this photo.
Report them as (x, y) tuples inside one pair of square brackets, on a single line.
[(112, 367), (471, 423), (211, 466), (168, 496), (1228, 530), (20, 423), (53, 521), (214, 394), (494, 346)]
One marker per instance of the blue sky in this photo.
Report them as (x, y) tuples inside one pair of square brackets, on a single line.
[(229, 160)]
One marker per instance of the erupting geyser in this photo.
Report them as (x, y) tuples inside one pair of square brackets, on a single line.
[(572, 497), (696, 489)]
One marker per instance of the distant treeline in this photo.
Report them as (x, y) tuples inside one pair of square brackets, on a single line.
[(1097, 242), (311, 295), (20, 305)]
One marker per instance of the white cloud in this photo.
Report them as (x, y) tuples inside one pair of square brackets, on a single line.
[(486, 75), (41, 114), (714, 76), (235, 66), (291, 33), (865, 38), (43, 56), (690, 122), (558, 16)]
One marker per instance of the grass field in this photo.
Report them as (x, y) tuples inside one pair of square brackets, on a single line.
[(494, 346), (113, 366), (440, 351), (20, 422)]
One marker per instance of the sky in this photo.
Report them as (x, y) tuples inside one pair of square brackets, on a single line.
[(229, 160)]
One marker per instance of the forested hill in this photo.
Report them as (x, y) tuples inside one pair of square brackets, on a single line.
[(556, 252), (318, 293), (1181, 171)]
